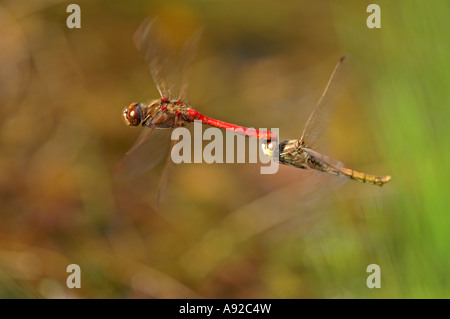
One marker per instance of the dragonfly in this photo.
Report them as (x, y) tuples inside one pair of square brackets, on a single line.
[(301, 154), (172, 110)]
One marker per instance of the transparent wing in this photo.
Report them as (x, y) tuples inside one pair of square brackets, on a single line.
[(187, 55), (149, 149), (158, 53), (145, 134), (327, 159), (165, 176), (300, 208), (169, 70), (320, 116)]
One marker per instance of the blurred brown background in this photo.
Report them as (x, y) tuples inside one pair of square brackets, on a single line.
[(224, 230)]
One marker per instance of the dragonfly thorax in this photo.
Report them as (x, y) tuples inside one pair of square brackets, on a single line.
[(290, 152)]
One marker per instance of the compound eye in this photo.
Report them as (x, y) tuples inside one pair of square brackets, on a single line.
[(132, 114)]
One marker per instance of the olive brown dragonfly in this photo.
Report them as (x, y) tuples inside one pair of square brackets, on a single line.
[(300, 153)]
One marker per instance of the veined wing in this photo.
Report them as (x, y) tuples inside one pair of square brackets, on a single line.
[(187, 55), (149, 149), (320, 116), (164, 179), (168, 70), (292, 204), (158, 54), (327, 159)]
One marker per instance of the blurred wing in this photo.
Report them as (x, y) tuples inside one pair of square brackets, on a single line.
[(158, 54), (187, 55), (301, 208), (327, 159), (148, 150), (145, 134), (163, 181), (320, 116), (165, 176)]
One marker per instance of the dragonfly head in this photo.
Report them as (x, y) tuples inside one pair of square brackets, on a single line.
[(132, 114)]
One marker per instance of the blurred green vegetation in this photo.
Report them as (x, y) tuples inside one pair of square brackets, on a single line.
[(224, 230)]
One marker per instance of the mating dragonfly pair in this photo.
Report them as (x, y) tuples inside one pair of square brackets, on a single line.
[(171, 111)]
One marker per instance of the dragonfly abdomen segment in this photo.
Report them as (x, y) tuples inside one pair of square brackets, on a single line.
[(363, 177), (321, 165), (258, 134)]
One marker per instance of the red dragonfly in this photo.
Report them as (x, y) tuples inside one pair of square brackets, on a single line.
[(172, 109)]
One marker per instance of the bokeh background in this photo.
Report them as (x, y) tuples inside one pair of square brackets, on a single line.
[(224, 230)]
